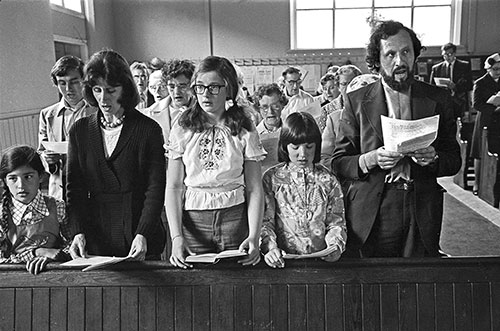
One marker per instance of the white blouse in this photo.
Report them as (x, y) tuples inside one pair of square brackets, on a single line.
[(214, 160)]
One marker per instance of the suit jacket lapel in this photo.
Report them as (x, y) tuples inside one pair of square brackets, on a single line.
[(374, 105), (421, 105)]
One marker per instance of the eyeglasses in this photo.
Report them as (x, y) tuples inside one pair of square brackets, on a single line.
[(212, 89), (294, 82), (160, 87), (274, 107), (179, 86)]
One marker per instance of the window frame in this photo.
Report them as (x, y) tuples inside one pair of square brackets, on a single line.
[(69, 11), (455, 29)]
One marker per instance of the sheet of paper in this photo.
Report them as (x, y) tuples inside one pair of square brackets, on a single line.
[(494, 99), (441, 81), (59, 147), (322, 253), (407, 136), (93, 262)]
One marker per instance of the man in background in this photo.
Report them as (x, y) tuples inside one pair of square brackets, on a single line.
[(460, 78), (141, 78), (297, 98), (56, 120)]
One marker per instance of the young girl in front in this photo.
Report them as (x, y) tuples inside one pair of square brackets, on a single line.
[(214, 196), (33, 226), (304, 208)]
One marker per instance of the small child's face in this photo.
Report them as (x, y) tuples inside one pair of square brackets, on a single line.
[(302, 155), (23, 183)]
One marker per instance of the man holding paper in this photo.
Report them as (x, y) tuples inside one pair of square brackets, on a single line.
[(56, 120), (457, 78), (394, 205)]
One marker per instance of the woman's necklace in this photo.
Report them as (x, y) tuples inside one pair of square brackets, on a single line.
[(112, 125)]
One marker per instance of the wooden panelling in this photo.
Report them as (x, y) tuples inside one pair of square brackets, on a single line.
[(375, 294), (19, 130)]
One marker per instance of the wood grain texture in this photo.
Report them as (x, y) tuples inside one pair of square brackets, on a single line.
[(464, 294)]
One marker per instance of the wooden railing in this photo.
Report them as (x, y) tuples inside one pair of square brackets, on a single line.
[(369, 294)]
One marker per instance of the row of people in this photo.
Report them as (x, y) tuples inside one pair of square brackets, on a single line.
[(213, 193)]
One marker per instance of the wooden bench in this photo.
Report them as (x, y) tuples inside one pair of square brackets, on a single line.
[(350, 295), (489, 171)]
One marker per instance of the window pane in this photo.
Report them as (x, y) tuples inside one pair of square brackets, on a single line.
[(353, 4), (431, 2), (392, 3), (314, 4), (314, 29), (75, 5), (402, 15), (432, 25), (56, 2), (351, 28)]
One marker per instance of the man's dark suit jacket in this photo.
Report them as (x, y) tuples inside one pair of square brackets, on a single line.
[(361, 132), (462, 77), (484, 88)]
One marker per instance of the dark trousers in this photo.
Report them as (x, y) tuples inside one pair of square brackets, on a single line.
[(395, 232)]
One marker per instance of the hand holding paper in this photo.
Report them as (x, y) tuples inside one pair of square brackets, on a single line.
[(408, 136)]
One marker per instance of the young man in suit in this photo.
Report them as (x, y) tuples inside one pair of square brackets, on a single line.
[(460, 76), (56, 120), (394, 205)]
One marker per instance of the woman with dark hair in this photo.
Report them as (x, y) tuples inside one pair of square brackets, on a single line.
[(116, 168), (214, 192), (304, 208)]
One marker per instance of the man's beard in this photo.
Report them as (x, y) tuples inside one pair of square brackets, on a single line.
[(400, 86)]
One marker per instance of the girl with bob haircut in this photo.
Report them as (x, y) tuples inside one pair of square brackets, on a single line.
[(116, 168), (34, 228), (214, 191), (304, 208)]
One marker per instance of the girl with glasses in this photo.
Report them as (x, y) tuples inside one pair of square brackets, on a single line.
[(214, 192)]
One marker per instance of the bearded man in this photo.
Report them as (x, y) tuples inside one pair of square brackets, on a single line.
[(394, 205)]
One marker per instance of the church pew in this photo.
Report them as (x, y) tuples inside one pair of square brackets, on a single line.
[(369, 294), (489, 171)]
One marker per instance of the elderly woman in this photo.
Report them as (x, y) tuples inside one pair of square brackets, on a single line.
[(488, 113), (116, 168), (330, 91), (333, 122)]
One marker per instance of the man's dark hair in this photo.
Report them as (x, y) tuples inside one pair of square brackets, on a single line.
[(291, 70), (64, 65), (448, 46), (384, 30)]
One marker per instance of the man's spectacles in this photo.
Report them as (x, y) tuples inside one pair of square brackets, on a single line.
[(294, 82), (160, 87), (274, 107), (181, 87), (212, 89)]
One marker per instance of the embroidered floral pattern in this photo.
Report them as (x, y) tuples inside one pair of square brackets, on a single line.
[(212, 149)]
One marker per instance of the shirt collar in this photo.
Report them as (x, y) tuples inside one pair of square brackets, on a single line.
[(37, 204), (63, 105)]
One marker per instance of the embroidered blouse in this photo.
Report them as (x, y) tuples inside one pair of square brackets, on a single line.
[(214, 160), (32, 226), (304, 210)]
